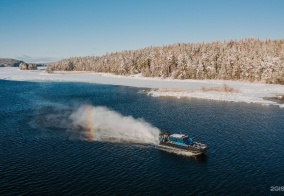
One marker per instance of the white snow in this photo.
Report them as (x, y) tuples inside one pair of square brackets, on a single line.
[(247, 92)]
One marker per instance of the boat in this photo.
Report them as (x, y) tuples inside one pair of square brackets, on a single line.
[(182, 142)]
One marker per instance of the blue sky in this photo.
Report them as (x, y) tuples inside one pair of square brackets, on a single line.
[(46, 30)]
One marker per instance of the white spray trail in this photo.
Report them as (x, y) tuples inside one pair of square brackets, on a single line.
[(102, 124)]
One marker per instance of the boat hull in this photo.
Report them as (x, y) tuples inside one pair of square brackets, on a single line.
[(188, 148)]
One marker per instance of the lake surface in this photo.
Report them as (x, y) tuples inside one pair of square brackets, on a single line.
[(40, 156)]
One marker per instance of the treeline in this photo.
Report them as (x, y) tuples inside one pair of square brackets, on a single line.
[(246, 59), (6, 62), (28, 66)]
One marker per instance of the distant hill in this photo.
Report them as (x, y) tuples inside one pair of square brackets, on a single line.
[(5, 62), (246, 60)]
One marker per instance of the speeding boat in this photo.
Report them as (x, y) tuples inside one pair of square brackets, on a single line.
[(182, 142)]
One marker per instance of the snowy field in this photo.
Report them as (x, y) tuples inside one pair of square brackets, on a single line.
[(219, 90)]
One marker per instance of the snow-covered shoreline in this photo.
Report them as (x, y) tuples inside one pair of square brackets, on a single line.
[(244, 91)]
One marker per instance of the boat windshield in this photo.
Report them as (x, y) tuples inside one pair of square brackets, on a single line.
[(187, 140)]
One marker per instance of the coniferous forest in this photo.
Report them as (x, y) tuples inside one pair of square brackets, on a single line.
[(246, 60)]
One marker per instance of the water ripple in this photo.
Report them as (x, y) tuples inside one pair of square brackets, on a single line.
[(245, 154)]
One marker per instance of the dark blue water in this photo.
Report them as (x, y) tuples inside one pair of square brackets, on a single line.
[(245, 155)]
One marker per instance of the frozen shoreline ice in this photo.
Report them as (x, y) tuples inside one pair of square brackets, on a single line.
[(248, 92)]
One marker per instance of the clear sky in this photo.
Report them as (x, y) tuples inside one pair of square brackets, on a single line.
[(46, 30)]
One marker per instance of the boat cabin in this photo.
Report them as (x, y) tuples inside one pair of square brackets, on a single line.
[(180, 139)]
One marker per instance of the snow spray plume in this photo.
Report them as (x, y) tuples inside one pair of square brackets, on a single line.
[(102, 124), (82, 121)]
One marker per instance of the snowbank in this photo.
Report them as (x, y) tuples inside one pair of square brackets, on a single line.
[(204, 89)]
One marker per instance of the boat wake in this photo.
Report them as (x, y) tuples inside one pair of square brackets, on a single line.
[(177, 151), (93, 123)]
